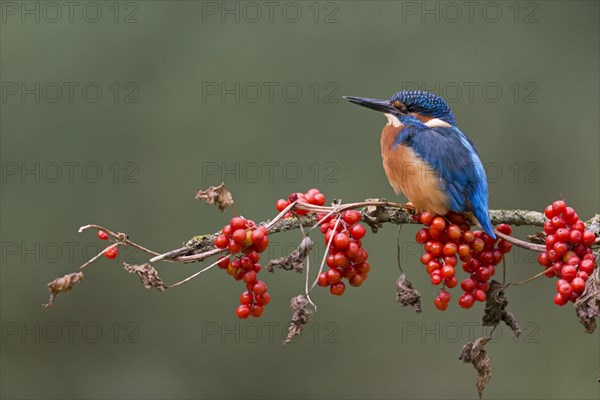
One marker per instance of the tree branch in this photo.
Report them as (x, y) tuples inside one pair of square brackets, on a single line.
[(375, 213)]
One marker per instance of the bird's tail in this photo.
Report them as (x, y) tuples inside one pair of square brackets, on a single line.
[(482, 219)]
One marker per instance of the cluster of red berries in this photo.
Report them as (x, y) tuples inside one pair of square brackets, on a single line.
[(110, 252), (313, 196), (449, 239), (242, 235), (568, 255), (346, 259)]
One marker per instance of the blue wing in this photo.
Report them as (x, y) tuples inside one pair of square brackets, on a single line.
[(454, 157)]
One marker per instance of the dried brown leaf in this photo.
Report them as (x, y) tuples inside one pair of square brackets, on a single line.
[(218, 195), (495, 306), (148, 275), (295, 259), (588, 304), (300, 317), (406, 294), (63, 284), (475, 353)]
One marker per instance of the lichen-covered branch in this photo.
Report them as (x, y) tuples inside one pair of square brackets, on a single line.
[(375, 213)]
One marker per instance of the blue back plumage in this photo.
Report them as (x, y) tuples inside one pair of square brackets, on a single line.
[(454, 157), (425, 103)]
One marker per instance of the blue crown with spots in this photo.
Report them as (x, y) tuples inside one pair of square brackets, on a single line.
[(426, 104)]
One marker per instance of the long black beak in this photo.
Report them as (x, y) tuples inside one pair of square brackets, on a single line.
[(383, 106)]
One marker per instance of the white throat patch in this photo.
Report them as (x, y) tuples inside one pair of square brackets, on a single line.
[(393, 120)]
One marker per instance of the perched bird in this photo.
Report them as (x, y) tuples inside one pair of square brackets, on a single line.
[(426, 156)]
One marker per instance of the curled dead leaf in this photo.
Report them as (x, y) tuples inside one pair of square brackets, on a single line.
[(587, 305), (148, 275), (295, 259), (300, 317), (62, 284), (406, 294), (495, 305), (218, 195), (475, 353)]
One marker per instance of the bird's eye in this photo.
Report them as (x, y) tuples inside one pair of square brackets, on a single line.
[(400, 106)]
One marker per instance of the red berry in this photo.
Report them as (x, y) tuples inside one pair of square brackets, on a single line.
[(258, 236), (250, 276), (341, 241), (578, 285), (444, 295), (111, 252), (479, 295), (259, 288), (333, 275), (549, 212), (426, 218), (357, 280), (447, 272), (466, 301), (438, 223), (221, 241), (587, 266), (559, 222), (243, 311), (454, 232), (559, 206), (450, 249), (102, 235), (319, 199), (560, 300), (588, 238), (363, 268), (246, 297), (451, 282), (440, 304), (351, 217), (565, 290), (257, 311), (339, 260), (237, 223), (239, 236), (337, 289), (562, 234), (504, 246), (468, 285), (357, 231), (322, 279), (436, 279), (568, 272), (263, 299), (234, 247), (504, 228), (422, 236), (223, 262)]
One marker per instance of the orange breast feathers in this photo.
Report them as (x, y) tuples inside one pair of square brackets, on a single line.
[(410, 175)]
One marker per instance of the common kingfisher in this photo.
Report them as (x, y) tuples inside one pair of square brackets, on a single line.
[(426, 156)]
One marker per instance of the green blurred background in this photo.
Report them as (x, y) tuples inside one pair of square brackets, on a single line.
[(168, 97)]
